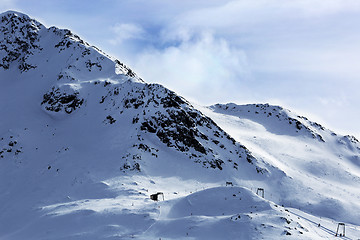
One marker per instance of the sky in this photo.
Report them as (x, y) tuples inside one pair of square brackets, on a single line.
[(301, 54)]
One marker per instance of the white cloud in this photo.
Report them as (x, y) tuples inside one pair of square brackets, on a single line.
[(248, 13), (281, 35), (200, 67), (320, 8), (126, 31)]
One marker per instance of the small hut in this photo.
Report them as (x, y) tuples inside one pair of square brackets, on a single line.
[(156, 196), (229, 184)]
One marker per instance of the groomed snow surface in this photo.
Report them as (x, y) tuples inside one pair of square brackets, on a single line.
[(223, 212)]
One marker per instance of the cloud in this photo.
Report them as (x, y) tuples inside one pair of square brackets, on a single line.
[(126, 31), (199, 67), (280, 35), (249, 13), (321, 8)]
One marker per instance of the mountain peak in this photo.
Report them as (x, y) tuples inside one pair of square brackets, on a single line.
[(16, 18), (12, 12), (20, 39), (26, 41)]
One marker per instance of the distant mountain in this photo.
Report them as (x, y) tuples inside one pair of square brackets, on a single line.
[(84, 142)]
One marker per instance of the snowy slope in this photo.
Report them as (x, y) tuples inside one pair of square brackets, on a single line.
[(323, 167), (84, 142)]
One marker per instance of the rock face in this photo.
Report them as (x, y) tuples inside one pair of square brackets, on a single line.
[(161, 113), (20, 41), (86, 78), (58, 101)]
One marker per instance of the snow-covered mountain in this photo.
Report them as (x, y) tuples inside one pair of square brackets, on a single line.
[(322, 165), (84, 142)]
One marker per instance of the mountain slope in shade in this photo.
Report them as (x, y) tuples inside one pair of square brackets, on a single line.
[(84, 141)]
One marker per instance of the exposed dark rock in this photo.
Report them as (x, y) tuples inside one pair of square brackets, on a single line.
[(110, 119), (178, 125), (57, 101), (20, 41)]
